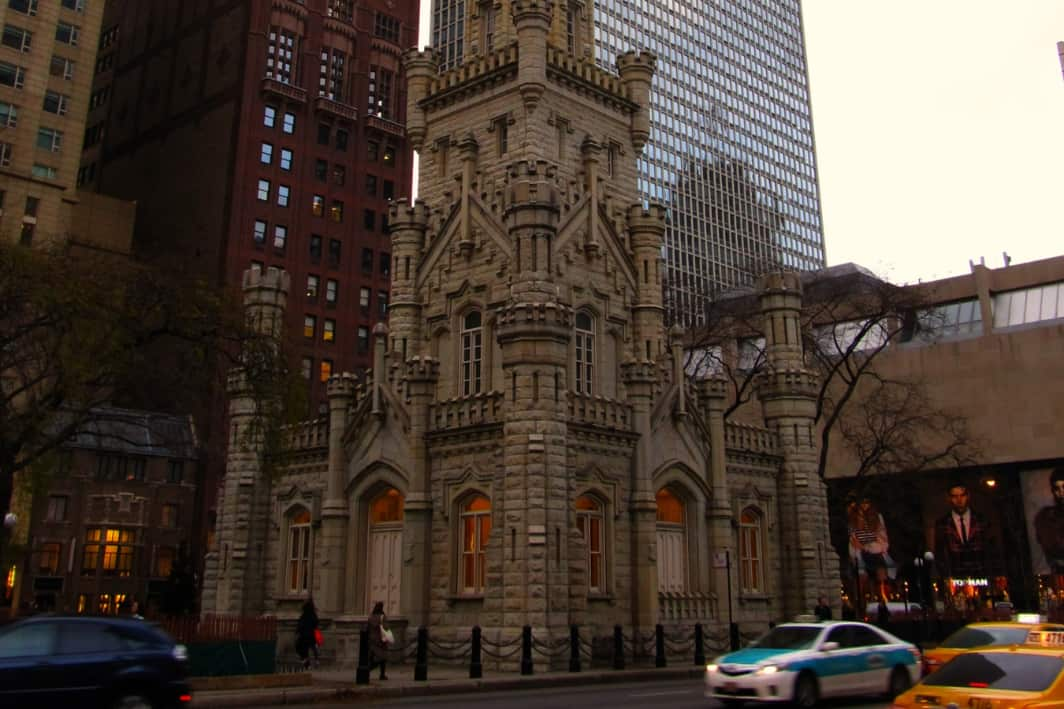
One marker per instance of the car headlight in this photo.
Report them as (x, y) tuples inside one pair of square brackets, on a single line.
[(771, 669), (711, 667), (180, 653)]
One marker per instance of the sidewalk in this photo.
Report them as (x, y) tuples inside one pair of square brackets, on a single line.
[(339, 685)]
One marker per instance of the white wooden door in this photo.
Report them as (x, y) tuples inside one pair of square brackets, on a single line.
[(385, 567), (672, 569)]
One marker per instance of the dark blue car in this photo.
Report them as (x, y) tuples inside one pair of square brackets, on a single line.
[(80, 661)]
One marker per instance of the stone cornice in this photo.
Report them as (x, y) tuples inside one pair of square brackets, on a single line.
[(472, 78), (588, 79)]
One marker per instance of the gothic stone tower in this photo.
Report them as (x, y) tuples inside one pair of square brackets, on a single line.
[(528, 449)]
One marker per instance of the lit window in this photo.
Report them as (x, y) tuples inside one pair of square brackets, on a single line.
[(260, 232), (168, 518), (266, 154), (476, 528), (326, 369), (585, 353), (264, 191), (280, 236), (310, 324), (318, 205), (164, 562), (336, 212), (298, 551), (328, 331), (282, 195), (589, 520), (672, 542), (312, 286), (363, 298), (751, 551), (48, 560), (472, 336), (269, 116), (280, 53)]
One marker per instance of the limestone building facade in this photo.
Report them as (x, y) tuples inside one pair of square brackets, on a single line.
[(528, 450)]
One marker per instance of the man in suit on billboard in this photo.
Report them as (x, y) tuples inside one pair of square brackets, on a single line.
[(962, 538), (1049, 524)]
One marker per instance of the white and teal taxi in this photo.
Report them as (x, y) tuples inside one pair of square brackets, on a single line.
[(803, 662)]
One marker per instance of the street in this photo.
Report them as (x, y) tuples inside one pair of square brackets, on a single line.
[(684, 694)]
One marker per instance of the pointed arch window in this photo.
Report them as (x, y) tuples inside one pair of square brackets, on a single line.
[(384, 550), (672, 542), (591, 523), (298, 577), (472, 352), (475, 520), (585, 353), (751, 551)]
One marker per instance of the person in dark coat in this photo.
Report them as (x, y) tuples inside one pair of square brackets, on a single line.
[(306, 640), (378, 648), (822, 609)]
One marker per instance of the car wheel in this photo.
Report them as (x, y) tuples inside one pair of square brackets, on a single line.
[(899, 682), (132, 700), (806, 693)]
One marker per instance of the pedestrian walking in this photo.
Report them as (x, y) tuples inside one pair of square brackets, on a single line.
[(822, 610), (378, 639), (307, 634)]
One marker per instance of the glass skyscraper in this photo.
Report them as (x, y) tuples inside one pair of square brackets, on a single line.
[(731, 143)]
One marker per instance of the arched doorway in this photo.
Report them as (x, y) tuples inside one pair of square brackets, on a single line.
[(385, 563)]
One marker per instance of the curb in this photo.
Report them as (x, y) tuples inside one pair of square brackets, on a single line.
[(300, 695)]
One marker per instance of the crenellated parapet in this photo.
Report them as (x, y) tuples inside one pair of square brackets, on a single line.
[(647, 225), (534, 321), (341, 386), (421, 368), (472, 78), (637, 70), (265, 299), (787, 383), (587, 79)]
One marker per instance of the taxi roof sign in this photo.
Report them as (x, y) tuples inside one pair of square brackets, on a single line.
[(1029, 618), (1046, 638)]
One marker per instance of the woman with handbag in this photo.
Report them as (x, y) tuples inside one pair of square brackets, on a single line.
[(307, 634), (378, 639)]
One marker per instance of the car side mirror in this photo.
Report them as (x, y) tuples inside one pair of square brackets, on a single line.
[(829, 646)]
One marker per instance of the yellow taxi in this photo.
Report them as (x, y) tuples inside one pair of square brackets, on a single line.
[(1015, 677), (980, 635)]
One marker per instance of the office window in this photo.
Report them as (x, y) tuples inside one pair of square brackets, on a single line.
[(328, 330), (164, 562), (373, 149), (17, 38), (367, 261), (264, 191), (389, 156), (279, 53), (26, 7), (313, 284), (8, 115), (363, 339), (168, 517), (306, 367), (336, 212), (380, 92), (382, 303), (67, 33), (386, 27), (57, 508), (371, 185), (286, 160), (385, 263), (334, 252), (332, 291), (282, 195), (50, 139), (317, 205), (315, 248), (326, 369), (266, 154), (369, 219), (339, 174), (269, 116), (118, 547), (175, 472), (75, 5), (324, 133), (342, 9), (321, 170), (45, 172), (389, 190), (363, 298), (341, 139), (331, 75), (260, 232), (61, 66), (310, 326), (48, 559), (58, 103), (280, 236), (288, 125), (12, 75)]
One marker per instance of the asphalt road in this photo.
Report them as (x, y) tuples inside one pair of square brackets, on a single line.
[(685, 694)]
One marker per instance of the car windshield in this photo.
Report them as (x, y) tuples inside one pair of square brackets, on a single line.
[(789, 637), (978, 637), (998, 670)]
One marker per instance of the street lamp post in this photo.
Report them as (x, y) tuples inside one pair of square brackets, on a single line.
[(10, 520), (923, 565)]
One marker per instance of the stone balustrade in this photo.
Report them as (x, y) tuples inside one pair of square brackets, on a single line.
[(308, 435), (466, 411), (741, 436), (599, 410), (695, 606)]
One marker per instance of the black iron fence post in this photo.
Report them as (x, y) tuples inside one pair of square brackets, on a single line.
[(574, 648), (362, 673), (476, 668), (618, 648), (526, 650), (700, 645), (733, 635), (421, 660), (659, 645)]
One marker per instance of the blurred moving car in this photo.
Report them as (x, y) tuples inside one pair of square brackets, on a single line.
[(981, 635), (1029, 675), (82, 661), (804, 662)]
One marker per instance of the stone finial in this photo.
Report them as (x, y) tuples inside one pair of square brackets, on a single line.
[(781, 282), (422, 368), (341, 386)]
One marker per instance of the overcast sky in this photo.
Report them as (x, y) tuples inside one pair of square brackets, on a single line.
[(939, 131)]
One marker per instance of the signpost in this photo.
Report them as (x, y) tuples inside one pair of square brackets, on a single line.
[(722, 560)]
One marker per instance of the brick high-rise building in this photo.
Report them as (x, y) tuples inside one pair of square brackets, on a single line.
[(267, 135)]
